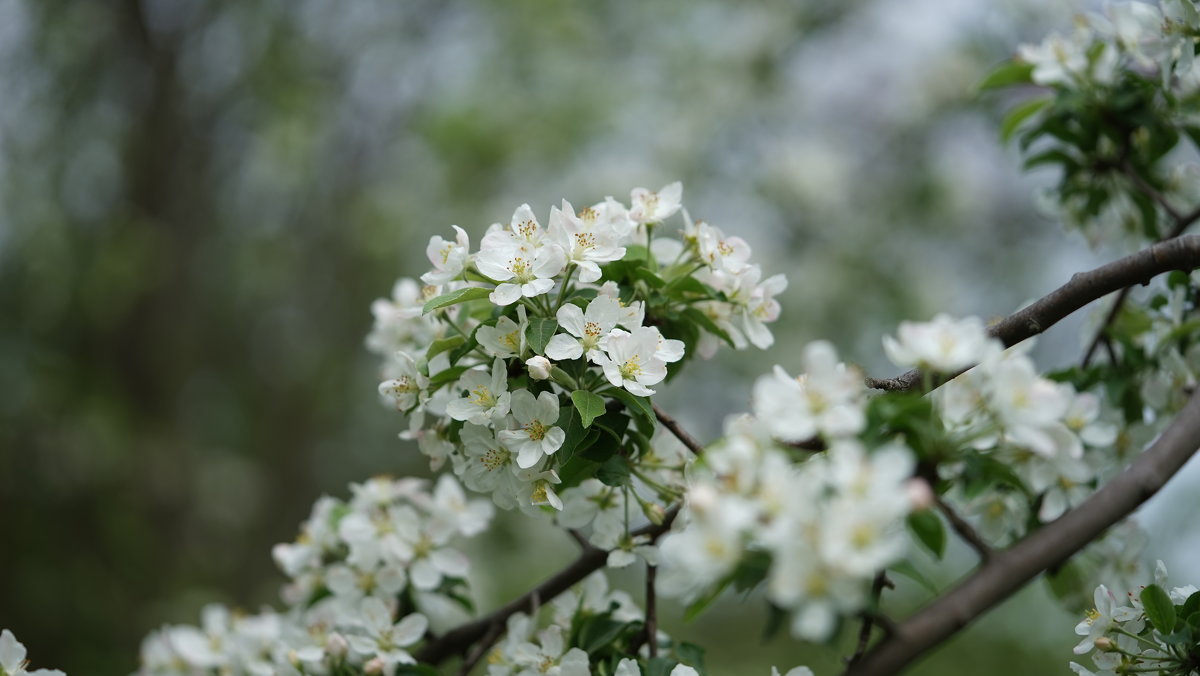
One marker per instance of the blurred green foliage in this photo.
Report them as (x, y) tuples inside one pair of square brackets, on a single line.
[(200, 198)]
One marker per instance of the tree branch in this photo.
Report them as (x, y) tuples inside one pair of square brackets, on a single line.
[(680, 433), (1181, 253), (869, 617), (964, 529), (457, 641), (1182, 221), (1009, 570)]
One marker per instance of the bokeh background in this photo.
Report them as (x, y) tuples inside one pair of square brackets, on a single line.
[(200, 198)]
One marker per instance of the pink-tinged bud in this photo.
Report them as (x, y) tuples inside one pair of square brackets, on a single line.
[(539, 367), (920, 495), (1105, 644), (375, 665), (655, 513), (337, 645)]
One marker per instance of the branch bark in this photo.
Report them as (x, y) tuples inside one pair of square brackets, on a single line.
[(680, 433), (1009, 570), (457, 641), (1181, 220), (1181, 253)]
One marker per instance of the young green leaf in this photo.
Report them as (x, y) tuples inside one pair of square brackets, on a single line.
[(1159, 609), (928, 528), (539, 332), (1018, 115), (1008, 74), (442, 344), (456, 297), (614, 472), (589, 404)]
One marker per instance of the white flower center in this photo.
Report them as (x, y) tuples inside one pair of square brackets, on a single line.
[(482, 397), (536, 430), (632, 368)]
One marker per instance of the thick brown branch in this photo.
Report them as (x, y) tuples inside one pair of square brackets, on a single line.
[(680, 433), (457, 641), (1009, 570), (1182, 253), (964, 529)]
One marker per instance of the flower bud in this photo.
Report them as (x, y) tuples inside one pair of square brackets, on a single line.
[(337, 645), (1105, 644), (920, 495), (654, 512), (539, 367), (375, 665)]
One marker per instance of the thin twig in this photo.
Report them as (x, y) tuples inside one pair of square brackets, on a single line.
[(481, 649), (1181, 220), (458, 640), (1010, 569), (579, 538), (1180, 253), (680, 433), (651, 633), (964, 529), (870, 615), (1102, 331)]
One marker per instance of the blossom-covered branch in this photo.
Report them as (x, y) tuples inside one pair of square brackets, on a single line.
[(1009, 570), (1182, 253), (458, 640)]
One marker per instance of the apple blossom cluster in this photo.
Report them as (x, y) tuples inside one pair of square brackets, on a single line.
[(1125, 36), (1134, 61), (368, 577), (1003, 410), (12, 658), (527, 365), (609, 624), (818, 530), (606, 512), (1151, 629)]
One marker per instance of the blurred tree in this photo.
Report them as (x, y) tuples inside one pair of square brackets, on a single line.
[(199, 199)]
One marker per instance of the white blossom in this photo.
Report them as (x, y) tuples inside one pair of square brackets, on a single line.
[(448, 257), (630, 360), (537, 436)]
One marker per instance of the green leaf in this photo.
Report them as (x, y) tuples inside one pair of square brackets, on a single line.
[(1051, 157), (456, 297), (751, 571), (1071, 586), (442, 344), (776, 619), (589, 404), (1159, 609), (678, 288), (448, 376), (660, 666), (692, 655), (575, 432), (598, 631), (614, 472), (639, 406), (930, 530), (1008, 74), (910, 571), (1015, 117), (707, 324), (696, 607), (1191, 606), (539, 332)]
